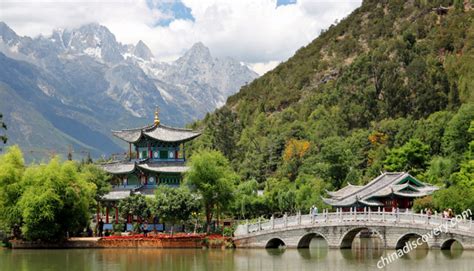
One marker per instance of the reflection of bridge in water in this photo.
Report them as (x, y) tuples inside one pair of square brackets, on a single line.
[(339, 229)]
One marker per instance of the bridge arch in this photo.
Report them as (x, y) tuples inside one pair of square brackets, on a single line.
[(275, 242), (405, 238), (348, 236), (306, 239), (448, 243)]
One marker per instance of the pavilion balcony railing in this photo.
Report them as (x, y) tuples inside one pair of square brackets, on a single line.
[(125, 187), (366, 218), (159, 160)]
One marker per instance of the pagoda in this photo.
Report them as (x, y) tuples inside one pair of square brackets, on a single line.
[(156, 156), (390, 191)]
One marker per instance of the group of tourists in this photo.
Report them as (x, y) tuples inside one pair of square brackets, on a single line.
[(448, 213)]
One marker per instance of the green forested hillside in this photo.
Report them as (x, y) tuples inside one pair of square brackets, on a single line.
[(389, 88)]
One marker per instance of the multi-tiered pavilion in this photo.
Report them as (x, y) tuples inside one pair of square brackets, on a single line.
[(156, 156)]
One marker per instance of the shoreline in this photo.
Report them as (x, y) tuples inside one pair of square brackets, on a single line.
[(191, 241)]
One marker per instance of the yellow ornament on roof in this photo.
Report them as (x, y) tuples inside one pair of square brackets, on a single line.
[(157, 117)]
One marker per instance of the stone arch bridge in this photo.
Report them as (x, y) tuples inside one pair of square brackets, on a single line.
[(340, 228)]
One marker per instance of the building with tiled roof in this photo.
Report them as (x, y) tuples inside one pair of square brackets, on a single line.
[(389, 190), (156, 156)]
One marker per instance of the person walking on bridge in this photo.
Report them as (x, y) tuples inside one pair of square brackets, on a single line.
[(314, 211)]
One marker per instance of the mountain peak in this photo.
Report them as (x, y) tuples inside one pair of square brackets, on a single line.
[(95, 40), (199, 48), (6, 33), (142, 51), (198, 53)]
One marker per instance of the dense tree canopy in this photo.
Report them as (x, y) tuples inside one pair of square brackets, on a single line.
[(47, 200), (175, 205), (136, 205), (390, 87), (211, 176)]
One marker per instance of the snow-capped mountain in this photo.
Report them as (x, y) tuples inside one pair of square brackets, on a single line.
[(85, 78)]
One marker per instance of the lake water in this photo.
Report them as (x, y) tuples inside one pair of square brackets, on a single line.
[(315, 258)]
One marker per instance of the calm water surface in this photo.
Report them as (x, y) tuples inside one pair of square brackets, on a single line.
[(314, 258)]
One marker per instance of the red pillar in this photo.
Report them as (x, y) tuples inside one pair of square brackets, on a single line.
[(116, 215), (107, 214)]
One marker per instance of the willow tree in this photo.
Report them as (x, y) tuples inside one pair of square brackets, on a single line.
[(212, 177)]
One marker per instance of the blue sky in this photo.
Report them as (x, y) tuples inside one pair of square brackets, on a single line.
[(285, 2), (173, 10), (177, 10)]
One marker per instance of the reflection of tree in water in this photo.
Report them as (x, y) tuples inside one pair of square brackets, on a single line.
[(419, 253), (318, 249), (367, 244), (275, 251), (452, 253)]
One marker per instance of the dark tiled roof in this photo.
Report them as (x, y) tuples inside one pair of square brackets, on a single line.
[(128, 167), (165, 167), (384, 185), (158, 132), (119, 168)]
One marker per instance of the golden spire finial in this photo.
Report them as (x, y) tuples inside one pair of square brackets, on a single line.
[(157, 117)]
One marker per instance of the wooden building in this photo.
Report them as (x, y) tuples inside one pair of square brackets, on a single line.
[(390, 190), (156, 156)]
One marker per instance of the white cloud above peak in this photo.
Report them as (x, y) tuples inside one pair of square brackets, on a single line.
[(257, 32)]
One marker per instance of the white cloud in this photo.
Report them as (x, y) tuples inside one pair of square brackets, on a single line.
[(262, 67), (251, 31)]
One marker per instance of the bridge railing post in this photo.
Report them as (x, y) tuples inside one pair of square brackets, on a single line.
[(355, 214), (247, 226), (299, 217), (470, 223), (397, 215), (383, 214), (259, 224), (340, 215), (272, 220), (285, 220), (368, 215)]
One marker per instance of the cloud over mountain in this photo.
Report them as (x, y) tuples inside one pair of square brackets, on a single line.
[(255, 32)]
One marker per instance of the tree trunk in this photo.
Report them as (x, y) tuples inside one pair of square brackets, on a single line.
[(208, 218)]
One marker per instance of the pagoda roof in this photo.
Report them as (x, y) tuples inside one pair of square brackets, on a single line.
[(117, 195), (119, 168), (397, 183), (157, 132), (164, 167), (128, 167)]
